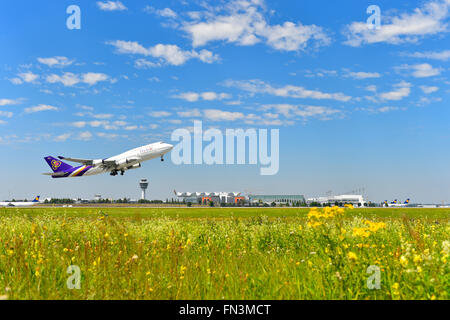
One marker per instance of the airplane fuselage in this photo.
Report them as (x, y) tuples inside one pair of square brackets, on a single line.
[(120, 163), (17, 204)]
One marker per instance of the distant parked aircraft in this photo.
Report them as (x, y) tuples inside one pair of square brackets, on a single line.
[(396, 204), (125, 161), (20, 204)]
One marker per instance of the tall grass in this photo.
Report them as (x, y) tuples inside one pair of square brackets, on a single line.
[(231, 258)]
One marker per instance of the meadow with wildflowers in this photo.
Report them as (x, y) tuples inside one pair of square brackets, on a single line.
[(225, 253)]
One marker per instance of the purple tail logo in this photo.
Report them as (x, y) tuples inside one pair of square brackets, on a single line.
[(56, 164)]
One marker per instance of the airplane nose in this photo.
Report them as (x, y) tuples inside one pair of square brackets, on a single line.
[(170, 146)]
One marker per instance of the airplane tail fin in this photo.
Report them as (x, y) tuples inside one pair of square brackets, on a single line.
[(407, 201), (57, 165), (36, 199)]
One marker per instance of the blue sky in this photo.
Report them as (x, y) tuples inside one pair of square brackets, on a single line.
[(355, 107)]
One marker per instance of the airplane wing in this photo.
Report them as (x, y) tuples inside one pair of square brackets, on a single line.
[(87, 162), (115, 163)]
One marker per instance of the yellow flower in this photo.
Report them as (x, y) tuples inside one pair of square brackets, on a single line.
[(403, 261), (352, 256), (417, 259), (395, 288)]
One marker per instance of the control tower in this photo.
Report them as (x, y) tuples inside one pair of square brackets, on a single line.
[(143, 184)]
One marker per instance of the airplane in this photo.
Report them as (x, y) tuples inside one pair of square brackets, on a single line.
[(396, 204), (20, 204), (120, 163)]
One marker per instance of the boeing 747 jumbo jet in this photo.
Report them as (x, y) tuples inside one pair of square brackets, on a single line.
[(125, 161), (20, 204)]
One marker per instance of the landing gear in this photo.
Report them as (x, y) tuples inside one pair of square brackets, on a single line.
[(162, 158), (113, 173), (122, 172)]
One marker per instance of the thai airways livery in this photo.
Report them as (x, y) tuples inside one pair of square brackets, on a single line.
[(117, 164), (20, 204)]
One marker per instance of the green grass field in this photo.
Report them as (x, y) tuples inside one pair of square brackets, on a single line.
[(224, 253)]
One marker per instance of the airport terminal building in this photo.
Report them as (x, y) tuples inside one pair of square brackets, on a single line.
[(355, 200), (206, 197), (278, 199)]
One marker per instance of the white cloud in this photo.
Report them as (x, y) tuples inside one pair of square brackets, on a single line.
[(208, 96), (154, 79), (220, 115), (423, 70), (387, 109), (79, 124), (16, 81), (92, 78), (371, 88), (167, 13), (28, 77), (159, 114), (188, 96), (7, 102), (165, 53), (2, 122), (363, 75), (111, 6), (189, 113), (403, 89), (427, 100), (430, 19), (258, 86), (291, 111), (98, 123), (7, 114), (69, 79), (40, 108), (89, 108), (120, 123), (384, 109), (145, 64), (56, 61), (107, 135), (243, 22), (63, 137), (102, 115), (441, 55), (85, 136), (429, 89)]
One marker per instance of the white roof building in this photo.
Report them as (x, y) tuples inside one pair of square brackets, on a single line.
[(344, 198)]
